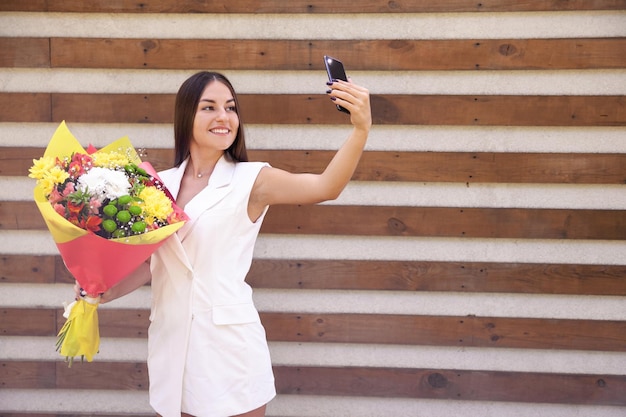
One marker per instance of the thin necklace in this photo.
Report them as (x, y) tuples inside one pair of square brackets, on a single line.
[(201, 174)]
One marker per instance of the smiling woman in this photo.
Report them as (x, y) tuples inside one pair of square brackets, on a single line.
[(202, 305)]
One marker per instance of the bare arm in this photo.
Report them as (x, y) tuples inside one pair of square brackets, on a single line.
[(276, 186)]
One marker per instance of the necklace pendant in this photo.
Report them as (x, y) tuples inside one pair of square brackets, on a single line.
[(199, 175)]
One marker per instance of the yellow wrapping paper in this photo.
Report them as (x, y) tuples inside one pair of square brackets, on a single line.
[(80, 335)]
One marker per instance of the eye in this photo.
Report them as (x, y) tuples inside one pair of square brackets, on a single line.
[(232, 109)]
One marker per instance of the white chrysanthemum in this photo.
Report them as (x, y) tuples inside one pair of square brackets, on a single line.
[(104, 183)]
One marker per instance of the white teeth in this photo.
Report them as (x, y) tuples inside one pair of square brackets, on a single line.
[(220, 131)]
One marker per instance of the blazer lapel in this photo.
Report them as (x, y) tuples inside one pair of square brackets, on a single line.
[(219, 186)]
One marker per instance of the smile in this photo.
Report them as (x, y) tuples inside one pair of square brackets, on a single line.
[(220, 131)]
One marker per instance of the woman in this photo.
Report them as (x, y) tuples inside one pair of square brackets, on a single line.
[(208, 352)]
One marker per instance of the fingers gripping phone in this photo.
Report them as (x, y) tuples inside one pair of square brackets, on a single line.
[(335, 71)]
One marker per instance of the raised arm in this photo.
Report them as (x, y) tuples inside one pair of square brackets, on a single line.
[(276, 186)]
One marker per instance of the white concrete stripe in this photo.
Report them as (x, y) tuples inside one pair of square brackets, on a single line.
[(74, 401), (365, 302), (552, 196), (441, 249), (442, 303), (268, 246), (336, 406), (564, 82), (318, 26), (320, 137), (126, 402), (443, 357), (29, 348), (606, 197)]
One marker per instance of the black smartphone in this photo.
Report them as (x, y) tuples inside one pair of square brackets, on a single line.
[(335, 71)]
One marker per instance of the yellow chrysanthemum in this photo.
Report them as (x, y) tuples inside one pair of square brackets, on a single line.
[(110, 160), (47, 185), (53, 177), (155, 204), (57, 175), (41, 167)]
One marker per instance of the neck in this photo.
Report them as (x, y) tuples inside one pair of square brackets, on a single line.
[(201, 164), (200, 172)]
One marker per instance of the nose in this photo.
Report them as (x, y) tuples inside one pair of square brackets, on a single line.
[(221, 114)]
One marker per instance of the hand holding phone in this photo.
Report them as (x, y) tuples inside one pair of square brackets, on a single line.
[(335, 71)]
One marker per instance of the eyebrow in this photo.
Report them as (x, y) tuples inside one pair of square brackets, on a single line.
[(213, 101)]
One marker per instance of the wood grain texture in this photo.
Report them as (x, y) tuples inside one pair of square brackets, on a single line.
[(447, 222), (463, 167), (439, 276), (509, 223), (24, 52), (389, 109), (28, 322), (452, 385), (472, 385), (496, 277), (459, 331), (363, 55), (306, 6), (25, 107)]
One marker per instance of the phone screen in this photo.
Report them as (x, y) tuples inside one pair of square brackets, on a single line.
[(334, 68), (335, 71)]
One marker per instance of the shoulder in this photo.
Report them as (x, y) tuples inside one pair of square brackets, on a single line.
[(250, 167)]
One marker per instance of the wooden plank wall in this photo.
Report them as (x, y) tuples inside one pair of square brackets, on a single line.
[(475, 265)]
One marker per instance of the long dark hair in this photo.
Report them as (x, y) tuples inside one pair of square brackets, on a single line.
[(187, 100)]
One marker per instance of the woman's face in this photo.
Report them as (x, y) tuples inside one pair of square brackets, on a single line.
[(216, 122)]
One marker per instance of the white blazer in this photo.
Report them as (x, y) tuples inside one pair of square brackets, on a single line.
[(202, 267)]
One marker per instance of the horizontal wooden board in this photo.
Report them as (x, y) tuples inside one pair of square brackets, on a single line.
[(24, 52), (25, 107), (452, 385), (380, 275), (469, 331), (460, 331), (368, 55), (438, 276), (35, 269), (305, 6), (464, 385), (509, 223), (462, 167), (391, 109), (28, 322), (447, 222)]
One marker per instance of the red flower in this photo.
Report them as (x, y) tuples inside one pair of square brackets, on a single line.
[(92, 223), (75, 169), (83, 159), (75, 209)]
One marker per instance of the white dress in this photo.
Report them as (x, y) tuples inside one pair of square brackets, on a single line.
[(207, 350)]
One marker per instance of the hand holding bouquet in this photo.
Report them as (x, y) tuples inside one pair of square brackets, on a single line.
[(107, 212)]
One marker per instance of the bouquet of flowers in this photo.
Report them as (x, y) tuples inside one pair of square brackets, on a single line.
[(107, 212)]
